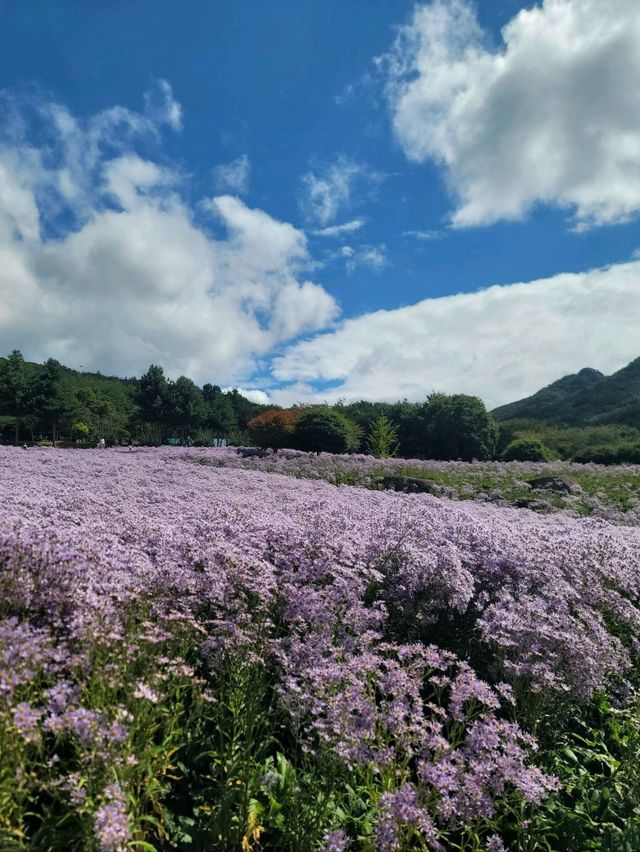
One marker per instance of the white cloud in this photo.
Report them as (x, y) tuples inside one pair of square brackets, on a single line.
[(103, 263), (424, 236), (335, 187), (550, 116), (161, 106), (353, 257), (233, 177), (501, 344), (373, 257), (339, 230)]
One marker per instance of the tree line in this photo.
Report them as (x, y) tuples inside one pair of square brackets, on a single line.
[(52, 403)]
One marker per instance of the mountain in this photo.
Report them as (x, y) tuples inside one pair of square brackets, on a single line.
[(587, 398)]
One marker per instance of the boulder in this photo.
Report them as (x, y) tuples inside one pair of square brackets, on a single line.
[(251, 452), (535, 505), (558, 484), (411, 485)]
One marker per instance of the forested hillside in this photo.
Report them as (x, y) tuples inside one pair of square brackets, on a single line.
[(587, 398), (584, 417), (52, 402)]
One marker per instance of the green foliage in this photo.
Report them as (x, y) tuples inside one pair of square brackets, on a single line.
[(624, 453), (383, 438), (80, 431), (46, 400), (527, 449), (16, 389), (220, 415), (595, 753), (43, 401), (586, 398), (325, 430), (151, 394), (605, 444), (458, 427), (183, 405), (211, 758)]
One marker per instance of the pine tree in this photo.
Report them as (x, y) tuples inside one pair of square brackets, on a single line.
[(383, 438)]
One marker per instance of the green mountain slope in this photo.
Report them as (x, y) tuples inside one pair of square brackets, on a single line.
[(583, 399)]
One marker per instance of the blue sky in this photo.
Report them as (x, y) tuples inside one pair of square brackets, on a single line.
[(294, 198)]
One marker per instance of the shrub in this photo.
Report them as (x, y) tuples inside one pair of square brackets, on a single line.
[(527, 449), (324, 430), (80, 431), (621, 454)]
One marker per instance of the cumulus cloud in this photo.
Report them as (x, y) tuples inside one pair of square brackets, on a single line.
[(233, 177), (103, 262), (502, 343), (551, 115), (335, 187)]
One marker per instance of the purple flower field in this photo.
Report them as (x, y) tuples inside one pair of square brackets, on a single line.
[(361, 669)]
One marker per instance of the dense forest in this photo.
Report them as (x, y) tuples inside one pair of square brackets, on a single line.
[(50, 403)]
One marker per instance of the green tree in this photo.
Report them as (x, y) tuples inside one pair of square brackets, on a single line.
[(408, 419), (185, 405), (80, 431), (458, 426), (50, 401), (151, 396), (16, 389), (325, 430), (219, 415), (383, 438), (244, 409)]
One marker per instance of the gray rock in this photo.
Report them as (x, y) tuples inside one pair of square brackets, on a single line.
[(411, 485), (559, 484), (535, 505), (251, 452)]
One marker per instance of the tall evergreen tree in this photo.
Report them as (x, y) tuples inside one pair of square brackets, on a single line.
[(184, 405), (151, 396), (49, 400), (16, 389)]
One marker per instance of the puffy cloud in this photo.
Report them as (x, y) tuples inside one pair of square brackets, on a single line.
[(552, 115), (234, 176), (103, 263), (502, 343)]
